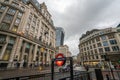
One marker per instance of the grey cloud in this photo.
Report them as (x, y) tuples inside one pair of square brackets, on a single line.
[(85, 15)]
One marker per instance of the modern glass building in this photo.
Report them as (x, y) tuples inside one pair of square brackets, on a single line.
[(27, 33), (98, 43), (59, 36)]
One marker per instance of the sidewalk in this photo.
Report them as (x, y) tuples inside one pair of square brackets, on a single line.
[(23, 72)]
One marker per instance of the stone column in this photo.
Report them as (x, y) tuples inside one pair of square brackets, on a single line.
[(22, 55), (13, 52), (30, 55), (4, 48)]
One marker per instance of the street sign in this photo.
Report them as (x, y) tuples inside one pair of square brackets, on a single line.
[(60, 59)]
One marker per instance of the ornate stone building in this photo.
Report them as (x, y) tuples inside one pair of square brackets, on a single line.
[(27, 33), (98, 43)]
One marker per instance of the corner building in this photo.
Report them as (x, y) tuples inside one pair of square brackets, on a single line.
[(97, 43), (27, 34)]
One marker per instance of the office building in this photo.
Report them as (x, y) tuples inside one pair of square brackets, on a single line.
[(27, 33), (59, 36), (98, 44)]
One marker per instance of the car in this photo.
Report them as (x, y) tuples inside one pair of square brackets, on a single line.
[(64, 68)]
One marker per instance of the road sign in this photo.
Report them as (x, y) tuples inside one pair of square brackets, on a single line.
[(60, 59)]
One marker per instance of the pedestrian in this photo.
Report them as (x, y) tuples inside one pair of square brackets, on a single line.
[(87, 68), (107, 77)]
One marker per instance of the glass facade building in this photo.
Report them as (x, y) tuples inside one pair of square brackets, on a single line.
[(59, 36)]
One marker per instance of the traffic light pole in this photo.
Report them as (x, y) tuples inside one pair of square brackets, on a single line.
[(71, 67), (52, 69)]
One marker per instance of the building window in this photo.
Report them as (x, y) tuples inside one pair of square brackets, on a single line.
[(87, 48), (96, 57), (6, 1), (110, 36), (0, 14), (103, 37), (8, 52), (12, 11), (115, 48), (98, 39), (8, 17), (113, 42), (105, 43), (17, 21), (90, 42), (107, 49), (95, 51), (12, 40), (101, 33), (84, 49), (0, 50), (15, 4), (93, 40), (15, 28), (100, 50), (22, 8), (2, 7), (20, 14), (99, 44), (4, 26), (90, 47), (91, 52), (94, 45), (2, 38)]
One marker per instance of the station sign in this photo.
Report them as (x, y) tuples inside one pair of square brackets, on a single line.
[(60, 59)]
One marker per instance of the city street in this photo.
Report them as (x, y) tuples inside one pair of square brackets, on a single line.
[(37, 74)]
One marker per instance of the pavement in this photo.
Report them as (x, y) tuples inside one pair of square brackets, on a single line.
[(9, 73)]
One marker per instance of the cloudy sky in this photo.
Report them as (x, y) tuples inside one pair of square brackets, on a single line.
[(79, 16)]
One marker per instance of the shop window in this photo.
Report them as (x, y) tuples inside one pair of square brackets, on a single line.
[(7, 52)]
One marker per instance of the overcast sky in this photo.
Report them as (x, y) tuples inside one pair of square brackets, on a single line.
[(78, 16)]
